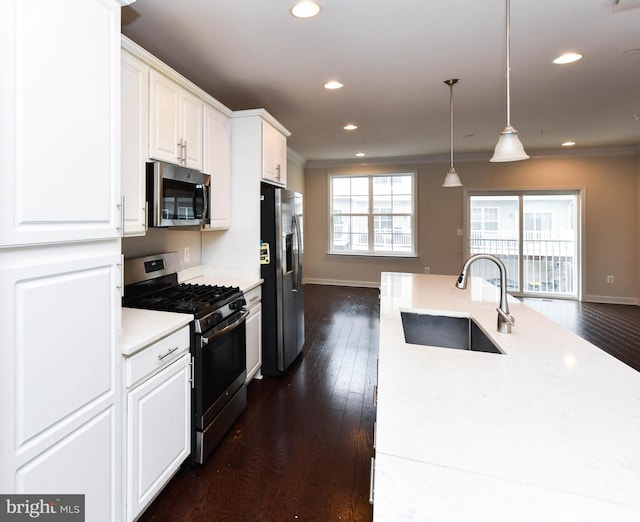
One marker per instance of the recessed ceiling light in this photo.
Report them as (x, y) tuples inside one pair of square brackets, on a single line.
[(351, 126), (567, 58), (360, 154), (305, 9), (568, 143), (333, 84)]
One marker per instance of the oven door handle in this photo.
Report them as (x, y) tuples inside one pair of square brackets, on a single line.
[(215, 335)]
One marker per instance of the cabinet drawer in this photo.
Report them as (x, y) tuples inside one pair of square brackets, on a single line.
[(156, 356), (253, 296)]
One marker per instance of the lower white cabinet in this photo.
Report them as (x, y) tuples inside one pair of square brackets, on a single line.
[(158, 418), (254, 333), (60, 420)]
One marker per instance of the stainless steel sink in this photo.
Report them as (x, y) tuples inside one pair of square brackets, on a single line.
[(461, 333)]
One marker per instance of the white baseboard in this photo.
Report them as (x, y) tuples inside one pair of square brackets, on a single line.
[(336, 282), (611, 300)]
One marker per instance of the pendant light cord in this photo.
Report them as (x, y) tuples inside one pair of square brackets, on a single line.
[(508, 37), (451, 118)]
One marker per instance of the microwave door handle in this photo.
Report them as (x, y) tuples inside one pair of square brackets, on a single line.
[(205, 207), (215, 335)]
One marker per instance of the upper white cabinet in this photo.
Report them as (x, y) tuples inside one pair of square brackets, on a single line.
[(237, 251), (60, 123), (166, 117), (257, 131), (274, 154), (175, 123), (134, 142), (217, 163)]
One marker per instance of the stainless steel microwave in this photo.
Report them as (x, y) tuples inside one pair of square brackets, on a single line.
[(177, 196)]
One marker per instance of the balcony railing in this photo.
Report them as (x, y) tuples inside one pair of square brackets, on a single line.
[(384, 239), (548, 259)]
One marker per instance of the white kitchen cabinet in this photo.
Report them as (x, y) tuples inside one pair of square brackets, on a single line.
[(60, 124), (158, 417), (236, 252), (254, 333), (217, 163), (134, 142), (274, 154), (175, 123), (60, 374), (60, 278)]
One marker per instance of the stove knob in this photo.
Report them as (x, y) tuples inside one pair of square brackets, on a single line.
[(237, 304)]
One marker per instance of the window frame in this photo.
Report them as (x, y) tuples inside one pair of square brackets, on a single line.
[(373, 214)]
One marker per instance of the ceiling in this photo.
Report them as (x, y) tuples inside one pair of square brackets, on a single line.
[(393, 56)]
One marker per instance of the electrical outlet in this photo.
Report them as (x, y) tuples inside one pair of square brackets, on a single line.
[(186, 254), (609, 279), (427, 270)]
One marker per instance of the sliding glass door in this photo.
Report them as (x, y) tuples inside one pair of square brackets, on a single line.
[(534, 234)]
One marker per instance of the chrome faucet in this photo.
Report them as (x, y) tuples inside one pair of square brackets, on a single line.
[(505, 319)]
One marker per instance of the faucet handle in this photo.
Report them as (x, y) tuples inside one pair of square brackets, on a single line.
[(506, 317), (505, 321)]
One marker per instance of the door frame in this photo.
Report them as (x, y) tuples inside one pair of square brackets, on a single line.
[(579, 193)]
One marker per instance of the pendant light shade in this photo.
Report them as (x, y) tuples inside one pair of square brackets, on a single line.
[(509, 147), (451, 179)]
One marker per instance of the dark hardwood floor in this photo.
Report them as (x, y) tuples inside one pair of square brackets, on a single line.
[(302, 448), (611, 327)]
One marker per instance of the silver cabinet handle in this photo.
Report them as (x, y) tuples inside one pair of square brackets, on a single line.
[(180, 151), (371, 480), (184, 151), (278, 171), (121, 208), (166, 354)]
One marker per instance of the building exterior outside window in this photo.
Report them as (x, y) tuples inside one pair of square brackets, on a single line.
[(372, 214)]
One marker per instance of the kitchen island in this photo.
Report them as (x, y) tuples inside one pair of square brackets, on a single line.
[(549, 430)]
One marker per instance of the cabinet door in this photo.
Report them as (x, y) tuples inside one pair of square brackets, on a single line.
[(135, 96), (60, 123), (191, 122), (274, 155), (60, 378), (158, 433), (254, 341), (164, 119), (217, 163)]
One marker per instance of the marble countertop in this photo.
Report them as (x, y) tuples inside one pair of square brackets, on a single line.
[(548, 431), (140, 328)]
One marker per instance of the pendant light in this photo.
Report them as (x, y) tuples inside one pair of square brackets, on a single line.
[(509, 147), (451, 179)]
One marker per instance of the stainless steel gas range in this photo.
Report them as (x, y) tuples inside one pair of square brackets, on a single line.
[(218, 342)]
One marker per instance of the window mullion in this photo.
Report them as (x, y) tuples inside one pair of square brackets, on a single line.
[(370, 219)]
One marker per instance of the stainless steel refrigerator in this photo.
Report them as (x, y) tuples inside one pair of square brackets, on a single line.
[(281, 268)]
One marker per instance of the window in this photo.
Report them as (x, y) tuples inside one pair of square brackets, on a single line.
[(535, 234), (484, 218), (372, 214)]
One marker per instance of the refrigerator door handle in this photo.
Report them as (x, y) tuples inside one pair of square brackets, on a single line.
[(297, 267)]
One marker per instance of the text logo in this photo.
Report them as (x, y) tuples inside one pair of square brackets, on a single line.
[(43, 508)]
